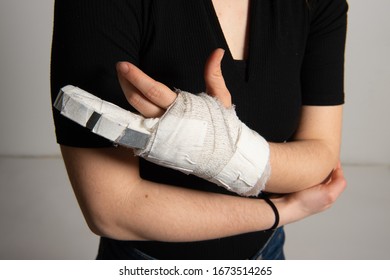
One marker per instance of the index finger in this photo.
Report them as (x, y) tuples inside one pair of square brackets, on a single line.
[(154, 91)]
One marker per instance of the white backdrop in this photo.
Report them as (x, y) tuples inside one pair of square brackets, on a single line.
[(25, 110), (367, 110), (25, 113), (39, 215)]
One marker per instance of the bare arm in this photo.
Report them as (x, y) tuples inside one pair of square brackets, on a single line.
[(312, 155), (117, 203)]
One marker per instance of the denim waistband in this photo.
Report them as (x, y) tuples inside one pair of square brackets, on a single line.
[(272, 248)]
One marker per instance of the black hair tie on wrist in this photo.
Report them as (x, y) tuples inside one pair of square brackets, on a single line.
[(276, 212)]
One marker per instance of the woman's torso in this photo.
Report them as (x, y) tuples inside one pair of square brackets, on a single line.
[(265, 86)]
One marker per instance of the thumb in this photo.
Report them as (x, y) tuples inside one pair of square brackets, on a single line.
[(215, 83)]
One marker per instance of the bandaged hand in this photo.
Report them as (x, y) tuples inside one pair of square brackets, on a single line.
[(196, 134), (152, 98)]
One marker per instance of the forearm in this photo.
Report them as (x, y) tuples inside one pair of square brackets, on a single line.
[(299, 165), (311, 155), (166, 213), (190, 215), (117, 203)]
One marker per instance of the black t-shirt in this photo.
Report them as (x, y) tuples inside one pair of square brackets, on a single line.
[(296, 57)]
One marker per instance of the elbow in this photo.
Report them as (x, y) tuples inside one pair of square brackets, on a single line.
[(326, 166), (311, 166), (98, 224), (331, 162), (101, 228), (110, 226)]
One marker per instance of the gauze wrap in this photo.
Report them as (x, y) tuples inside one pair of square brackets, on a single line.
[(196, 135)]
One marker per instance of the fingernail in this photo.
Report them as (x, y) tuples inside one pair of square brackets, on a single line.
[(222, 54), (122, 67)]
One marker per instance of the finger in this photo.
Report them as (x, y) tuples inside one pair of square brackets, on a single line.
[(137, 100), (156, 92), (337, 184), (329, 177), (215, 83), (339, 175)]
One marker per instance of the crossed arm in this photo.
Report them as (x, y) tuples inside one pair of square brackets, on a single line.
[(118, 203)]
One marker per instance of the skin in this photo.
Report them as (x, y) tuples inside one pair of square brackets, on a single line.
[(118, 203)]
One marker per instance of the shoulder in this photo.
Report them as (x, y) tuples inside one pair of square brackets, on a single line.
[(319, 9), (101, 8)]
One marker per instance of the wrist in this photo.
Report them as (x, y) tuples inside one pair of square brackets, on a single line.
[(275, 210), (289, 210)]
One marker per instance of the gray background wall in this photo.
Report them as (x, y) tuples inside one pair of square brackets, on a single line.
[(37, 207)]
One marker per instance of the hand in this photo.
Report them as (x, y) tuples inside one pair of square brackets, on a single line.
[(188, 137), (318, 198), (151, 98)]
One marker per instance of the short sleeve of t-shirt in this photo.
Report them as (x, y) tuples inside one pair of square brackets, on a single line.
[(87, 44), (323, 65)]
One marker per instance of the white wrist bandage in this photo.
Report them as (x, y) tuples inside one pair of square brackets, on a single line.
[(196, 135)]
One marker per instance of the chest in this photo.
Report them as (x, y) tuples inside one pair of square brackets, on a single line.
[(270, 38), (233, 19)]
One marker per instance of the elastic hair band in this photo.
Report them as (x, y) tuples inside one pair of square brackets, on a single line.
[(276, 212)]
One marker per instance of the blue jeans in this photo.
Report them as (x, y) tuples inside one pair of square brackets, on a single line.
[(272, 250)]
